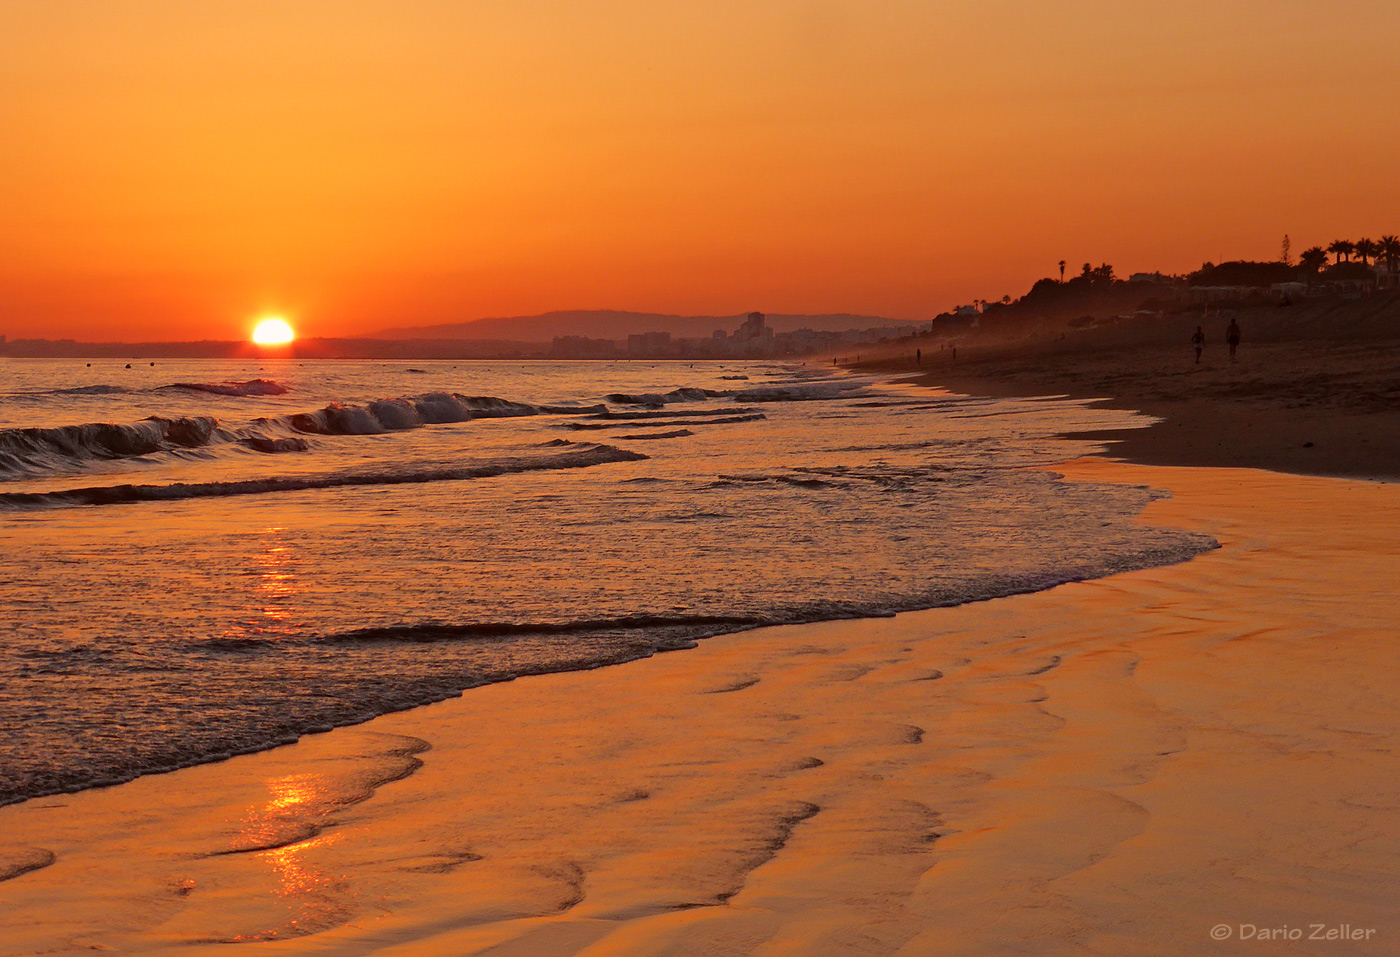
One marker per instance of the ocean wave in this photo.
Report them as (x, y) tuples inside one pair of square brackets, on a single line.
[(38, 449), (578, 456), (795, 392), (574, 409), (434, 631), (801, 393), (407, 412), (87, 390), (31, 451), (249, 388), (677, 434), (781, 478), (661, 423), (663, 398), (667, 413), (269, 446)]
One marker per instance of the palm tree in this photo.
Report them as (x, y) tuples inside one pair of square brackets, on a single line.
[(1389, 250), (1312, 260), (1062, 270), (1341, 248), (1365, 248)]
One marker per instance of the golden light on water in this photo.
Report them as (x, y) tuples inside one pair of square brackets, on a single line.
[(273, 331)]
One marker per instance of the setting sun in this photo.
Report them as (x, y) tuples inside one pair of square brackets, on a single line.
[(273, 332)]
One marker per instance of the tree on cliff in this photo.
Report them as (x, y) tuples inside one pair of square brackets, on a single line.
[(1096, 275)]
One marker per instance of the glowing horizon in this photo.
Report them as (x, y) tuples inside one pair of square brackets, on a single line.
[(375, 165)]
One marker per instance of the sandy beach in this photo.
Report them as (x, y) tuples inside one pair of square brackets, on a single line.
[(1109, 767), (1314, 388)]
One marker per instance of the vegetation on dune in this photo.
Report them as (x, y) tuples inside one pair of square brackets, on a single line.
[(1098, 292)]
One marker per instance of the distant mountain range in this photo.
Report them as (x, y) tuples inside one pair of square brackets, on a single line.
[(610, 324)]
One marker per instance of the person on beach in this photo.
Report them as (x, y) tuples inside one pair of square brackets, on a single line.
[(1199, 341), (918, 357), (1232, 336)]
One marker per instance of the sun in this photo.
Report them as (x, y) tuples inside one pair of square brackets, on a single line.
[(273, 331)]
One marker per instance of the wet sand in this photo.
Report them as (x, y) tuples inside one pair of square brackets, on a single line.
[(1109, 767)]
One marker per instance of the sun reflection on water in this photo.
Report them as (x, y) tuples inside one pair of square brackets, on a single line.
[(305, 896), (277, 580)]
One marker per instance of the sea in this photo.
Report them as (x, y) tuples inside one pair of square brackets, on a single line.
[(209, 558)]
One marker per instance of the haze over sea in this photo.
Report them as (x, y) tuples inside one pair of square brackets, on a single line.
[(209, 558)]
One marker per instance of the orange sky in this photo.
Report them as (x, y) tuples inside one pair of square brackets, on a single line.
[(172, 168)]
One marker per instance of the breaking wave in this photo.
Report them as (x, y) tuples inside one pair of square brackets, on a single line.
[(392, 415), (574, 457), (664, 398), (251, 387), (43, 450), (39, 451)]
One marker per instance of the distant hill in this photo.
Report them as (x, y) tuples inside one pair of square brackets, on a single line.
[(609, 324)]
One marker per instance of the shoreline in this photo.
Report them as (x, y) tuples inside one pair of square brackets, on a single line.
[(1296, 400), (954, 780)]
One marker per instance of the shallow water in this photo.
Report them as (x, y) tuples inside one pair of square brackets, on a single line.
[(290, 547)]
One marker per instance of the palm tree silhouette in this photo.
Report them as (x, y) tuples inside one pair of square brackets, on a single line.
[(1365, 248), (1389, 250), (1342, 248), (1062, 270), (1312, 260)]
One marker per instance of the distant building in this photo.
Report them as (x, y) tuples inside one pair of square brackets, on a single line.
[(582, 347), (649, 344), (754, 327)]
